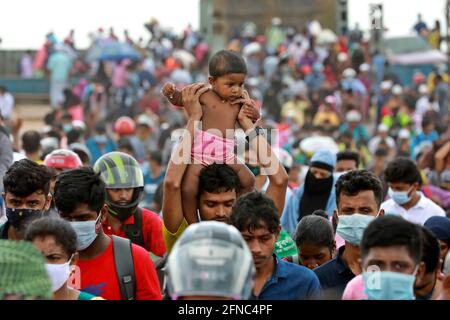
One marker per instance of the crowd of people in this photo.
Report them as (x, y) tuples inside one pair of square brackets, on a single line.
[(335, 186)]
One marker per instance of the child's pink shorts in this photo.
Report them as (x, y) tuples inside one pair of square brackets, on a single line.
[(209, 148)]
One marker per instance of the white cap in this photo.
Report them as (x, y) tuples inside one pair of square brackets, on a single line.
[(353, 115), (423, 89), (386, 85), (404, 134), (349, 73), (253, 81), (276, 21), (342, 57), (364, 67), (397, 89), (383, 128), (145, 120), (284, 157)]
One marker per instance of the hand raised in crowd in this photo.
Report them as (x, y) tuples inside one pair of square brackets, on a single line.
[(191, 99)]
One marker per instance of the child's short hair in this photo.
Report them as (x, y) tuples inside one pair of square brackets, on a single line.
[(226, 62)]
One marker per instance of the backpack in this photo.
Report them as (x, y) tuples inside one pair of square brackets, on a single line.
[(134, 233), (123, 260)]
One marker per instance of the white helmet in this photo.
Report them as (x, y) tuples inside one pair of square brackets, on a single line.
[(210, 259)]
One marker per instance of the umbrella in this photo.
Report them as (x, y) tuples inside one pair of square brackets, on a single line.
[(326, 37), (316, 143), (112, 51)]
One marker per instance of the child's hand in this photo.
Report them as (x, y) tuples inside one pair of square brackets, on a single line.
[(249, 105), (168, 89)]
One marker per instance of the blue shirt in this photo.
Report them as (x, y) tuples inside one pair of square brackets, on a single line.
[(290, 282), (151, 183), (334, 276)]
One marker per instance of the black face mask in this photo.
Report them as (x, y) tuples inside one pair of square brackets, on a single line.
[(21, 218), (319, 186)]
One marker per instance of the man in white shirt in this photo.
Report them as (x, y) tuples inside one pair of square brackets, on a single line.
[(407, 201), (6, 103), (383, 135)]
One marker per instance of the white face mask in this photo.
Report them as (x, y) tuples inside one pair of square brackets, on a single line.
[(58, 274)]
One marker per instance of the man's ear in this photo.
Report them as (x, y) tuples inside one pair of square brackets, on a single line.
[(335, 217), (421, 271), (75, 258), (48, 202), (277, 232), (381, 213), (104, 212), (211, 80)]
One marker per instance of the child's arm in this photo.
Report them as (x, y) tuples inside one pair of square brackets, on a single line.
[(172, 94), (175, 96)]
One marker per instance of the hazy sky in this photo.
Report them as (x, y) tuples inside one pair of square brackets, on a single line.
[(24, 23)]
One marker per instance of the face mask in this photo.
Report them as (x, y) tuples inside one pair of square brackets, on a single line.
[(67, 127), (58, 274), (386, 285), (351, 227), (101, 139), (18, 218), (320, 186), (400, 197), (85, 232)]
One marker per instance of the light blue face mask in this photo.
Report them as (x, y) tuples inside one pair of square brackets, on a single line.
[(85, 231), (400, 197), (386, 285), (351, 227)]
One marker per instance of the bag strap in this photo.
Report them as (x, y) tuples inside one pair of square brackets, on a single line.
[(134, 231), (123, 259)]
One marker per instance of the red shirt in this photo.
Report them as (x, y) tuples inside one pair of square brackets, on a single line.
[(151, 230), (98, 276)]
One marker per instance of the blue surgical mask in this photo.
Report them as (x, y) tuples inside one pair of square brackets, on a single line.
[(67, 127), (386, 285), (85, 231), (400, 197), (101, 139), (351, 227)]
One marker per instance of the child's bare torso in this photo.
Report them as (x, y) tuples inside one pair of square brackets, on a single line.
[(217, 113)]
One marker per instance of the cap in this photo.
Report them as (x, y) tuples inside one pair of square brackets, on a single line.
[(330, 100), (342, 57), (353, 115), (23, 271), (386, 85), (349, 73), (404, 134), (440, 226), (144, 119), (397, 89), (364, 67), (324, 159), (383, 128), (423, 89)]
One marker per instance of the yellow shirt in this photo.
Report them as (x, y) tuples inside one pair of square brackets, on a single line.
[(170, 238)]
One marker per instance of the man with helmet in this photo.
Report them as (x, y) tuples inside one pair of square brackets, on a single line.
[(124, 190), (124, 126), (62, 159), (57, 161), (217, 260)]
